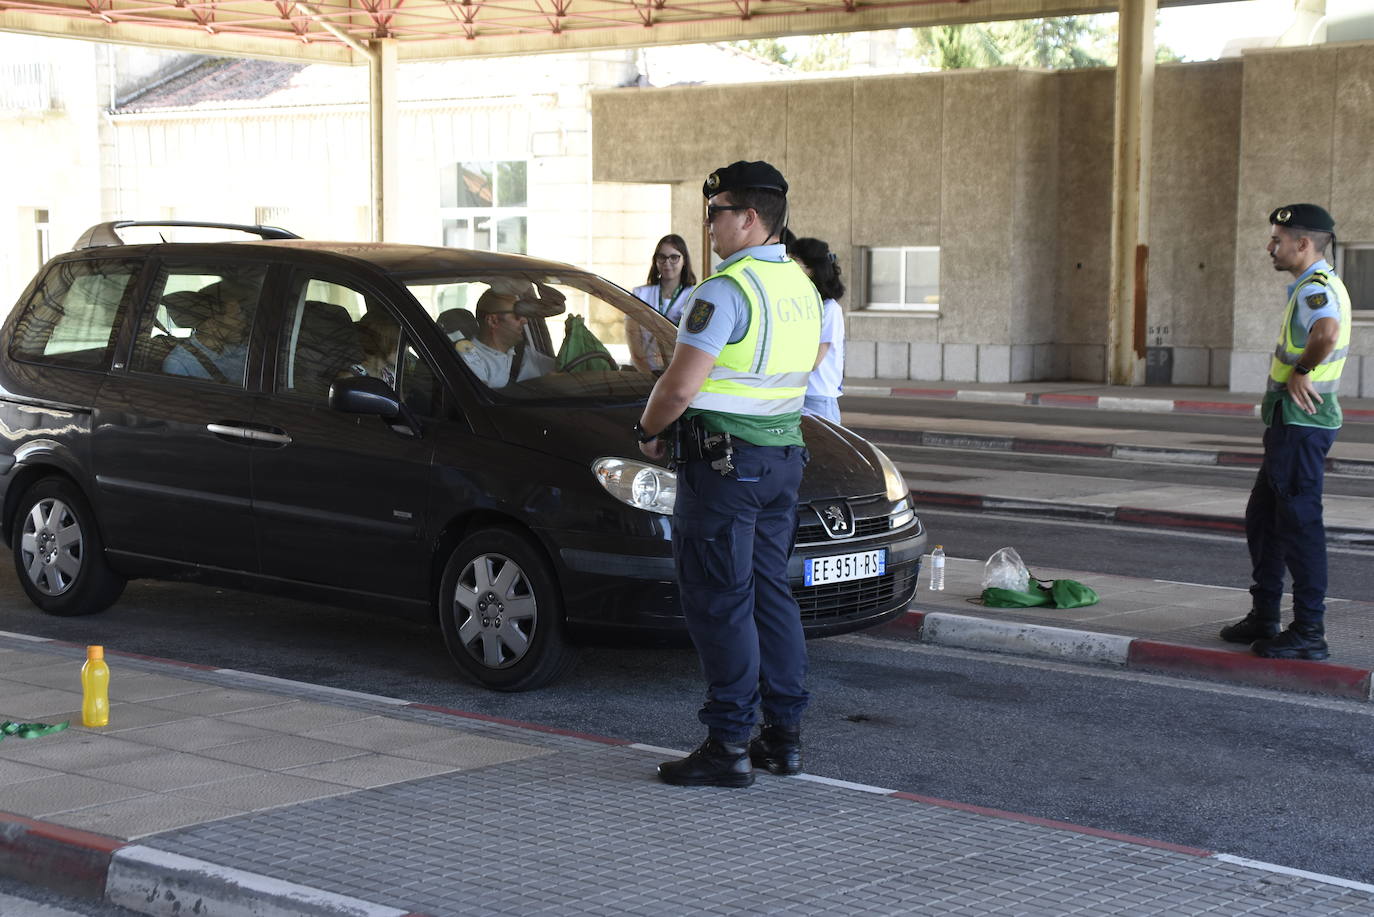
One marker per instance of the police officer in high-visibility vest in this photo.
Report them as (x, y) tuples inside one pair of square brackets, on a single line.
[(748, 339), (1302, 414)]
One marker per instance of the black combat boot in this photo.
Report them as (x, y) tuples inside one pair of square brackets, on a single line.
[(1299, 641), (1256, 625), (777, 750), (714, 763)]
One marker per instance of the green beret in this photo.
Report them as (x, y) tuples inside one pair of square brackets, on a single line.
[(1303, 216)]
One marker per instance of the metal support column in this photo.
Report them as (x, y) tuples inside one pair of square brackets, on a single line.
[(382, 115), (1135, 76)]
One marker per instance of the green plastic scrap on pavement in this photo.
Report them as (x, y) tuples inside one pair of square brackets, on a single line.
[(29, 730), (1062, 593)]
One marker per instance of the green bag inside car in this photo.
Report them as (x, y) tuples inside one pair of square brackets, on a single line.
[(1062, 593), (581, 350)]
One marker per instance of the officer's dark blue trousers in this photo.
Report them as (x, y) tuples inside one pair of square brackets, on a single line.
[(732, 537), (1283, 520)]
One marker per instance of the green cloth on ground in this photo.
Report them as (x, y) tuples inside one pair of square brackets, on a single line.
[(28, 730), (1062, 593)]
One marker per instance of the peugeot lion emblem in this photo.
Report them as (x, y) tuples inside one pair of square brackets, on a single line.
[(835, 520)]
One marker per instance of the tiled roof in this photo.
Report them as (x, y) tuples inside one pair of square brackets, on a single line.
[(229, 83)]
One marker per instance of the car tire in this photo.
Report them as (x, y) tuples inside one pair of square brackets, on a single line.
[(502, 613), (59, 554)]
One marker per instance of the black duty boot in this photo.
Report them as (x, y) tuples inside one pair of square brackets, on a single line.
[(777, 750), (1299, 641), (714, 763), (1250, 628)]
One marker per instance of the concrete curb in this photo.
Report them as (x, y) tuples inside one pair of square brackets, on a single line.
[(1071, 400), (1114, 515), (1069, 645), (1221, 458)]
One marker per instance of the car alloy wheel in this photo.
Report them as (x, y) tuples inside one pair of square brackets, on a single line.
[(496, 611), (53, 546), (501, 611)]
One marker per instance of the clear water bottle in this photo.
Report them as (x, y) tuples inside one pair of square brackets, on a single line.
[(937, 568)]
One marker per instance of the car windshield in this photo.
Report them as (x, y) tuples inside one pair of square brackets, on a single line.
[(541, 336)]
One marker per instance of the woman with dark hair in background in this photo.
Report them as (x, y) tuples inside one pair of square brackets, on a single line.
[(826, 383), (671, 280)]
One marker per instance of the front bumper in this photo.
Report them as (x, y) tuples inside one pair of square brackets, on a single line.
[(632, 585)]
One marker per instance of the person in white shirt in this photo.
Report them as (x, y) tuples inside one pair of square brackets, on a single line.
[(671, 280), (826, 383), (500, 355)]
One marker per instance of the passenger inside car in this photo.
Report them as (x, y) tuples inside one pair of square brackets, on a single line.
[(501, 354), (217, 347), (378, 333)]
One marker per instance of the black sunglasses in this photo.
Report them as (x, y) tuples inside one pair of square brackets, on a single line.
[(713, 209)]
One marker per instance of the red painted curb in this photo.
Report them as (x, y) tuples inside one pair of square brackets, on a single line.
[(1137, 516), (1051, 823), (926, 392), (1243, 666), (1214, 407), (938, 498), (67, 860), (1061, 447), (906, 624), (1064, 400)]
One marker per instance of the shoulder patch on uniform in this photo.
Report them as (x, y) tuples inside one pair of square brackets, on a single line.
[(700, 316), (1316, 300)]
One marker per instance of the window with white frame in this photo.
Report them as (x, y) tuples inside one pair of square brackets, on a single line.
[(484, 205), (42, 236), (903, 279), (1357, 272)]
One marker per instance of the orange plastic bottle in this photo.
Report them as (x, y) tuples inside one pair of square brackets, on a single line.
[(95, 688)]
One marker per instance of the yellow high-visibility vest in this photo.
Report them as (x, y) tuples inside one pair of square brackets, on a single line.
[(1326, 375), (764, 373)]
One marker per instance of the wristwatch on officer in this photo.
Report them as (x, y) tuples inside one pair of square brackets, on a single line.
[(643, 435), (1300, 369)]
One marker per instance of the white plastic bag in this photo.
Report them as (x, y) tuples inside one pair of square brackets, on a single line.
[(1004, 570)]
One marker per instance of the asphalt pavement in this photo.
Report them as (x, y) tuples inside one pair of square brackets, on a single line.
[(222, 792)]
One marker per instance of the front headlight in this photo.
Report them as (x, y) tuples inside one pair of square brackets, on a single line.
[(892, 478), (638, 484)]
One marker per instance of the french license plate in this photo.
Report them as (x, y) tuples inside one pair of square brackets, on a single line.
[(838, 568)]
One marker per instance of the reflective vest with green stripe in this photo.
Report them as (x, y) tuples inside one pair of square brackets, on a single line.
[(764, 373), (1326, 375)]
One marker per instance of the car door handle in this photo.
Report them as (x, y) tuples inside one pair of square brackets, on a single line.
[(241, 432)]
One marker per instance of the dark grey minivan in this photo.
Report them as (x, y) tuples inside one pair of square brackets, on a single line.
[(317, 420)]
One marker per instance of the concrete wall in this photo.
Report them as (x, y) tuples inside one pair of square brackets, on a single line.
[(1307, 128), (1009, 172)]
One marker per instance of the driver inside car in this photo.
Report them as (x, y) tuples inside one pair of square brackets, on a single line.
[(501, 354)]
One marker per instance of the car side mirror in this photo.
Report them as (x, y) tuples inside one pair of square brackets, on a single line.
[(365, 395)]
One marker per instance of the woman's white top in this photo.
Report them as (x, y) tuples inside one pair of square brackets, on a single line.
[(827, 380), (670, 309)]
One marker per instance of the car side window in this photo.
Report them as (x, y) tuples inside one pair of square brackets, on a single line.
[(333, 331), (71, 318), (200, 322), (421, 389)]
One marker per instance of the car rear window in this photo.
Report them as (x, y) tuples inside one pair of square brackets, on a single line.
[(72, 316)]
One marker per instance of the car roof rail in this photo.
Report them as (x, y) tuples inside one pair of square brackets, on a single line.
[(103, 234)]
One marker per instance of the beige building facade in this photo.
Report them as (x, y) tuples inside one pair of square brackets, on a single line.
[(1002, 180)]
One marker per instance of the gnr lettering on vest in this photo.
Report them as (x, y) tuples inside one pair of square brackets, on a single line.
[(791, 310)]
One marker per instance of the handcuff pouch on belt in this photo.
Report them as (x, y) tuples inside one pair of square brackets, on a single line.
[(695, 443)]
